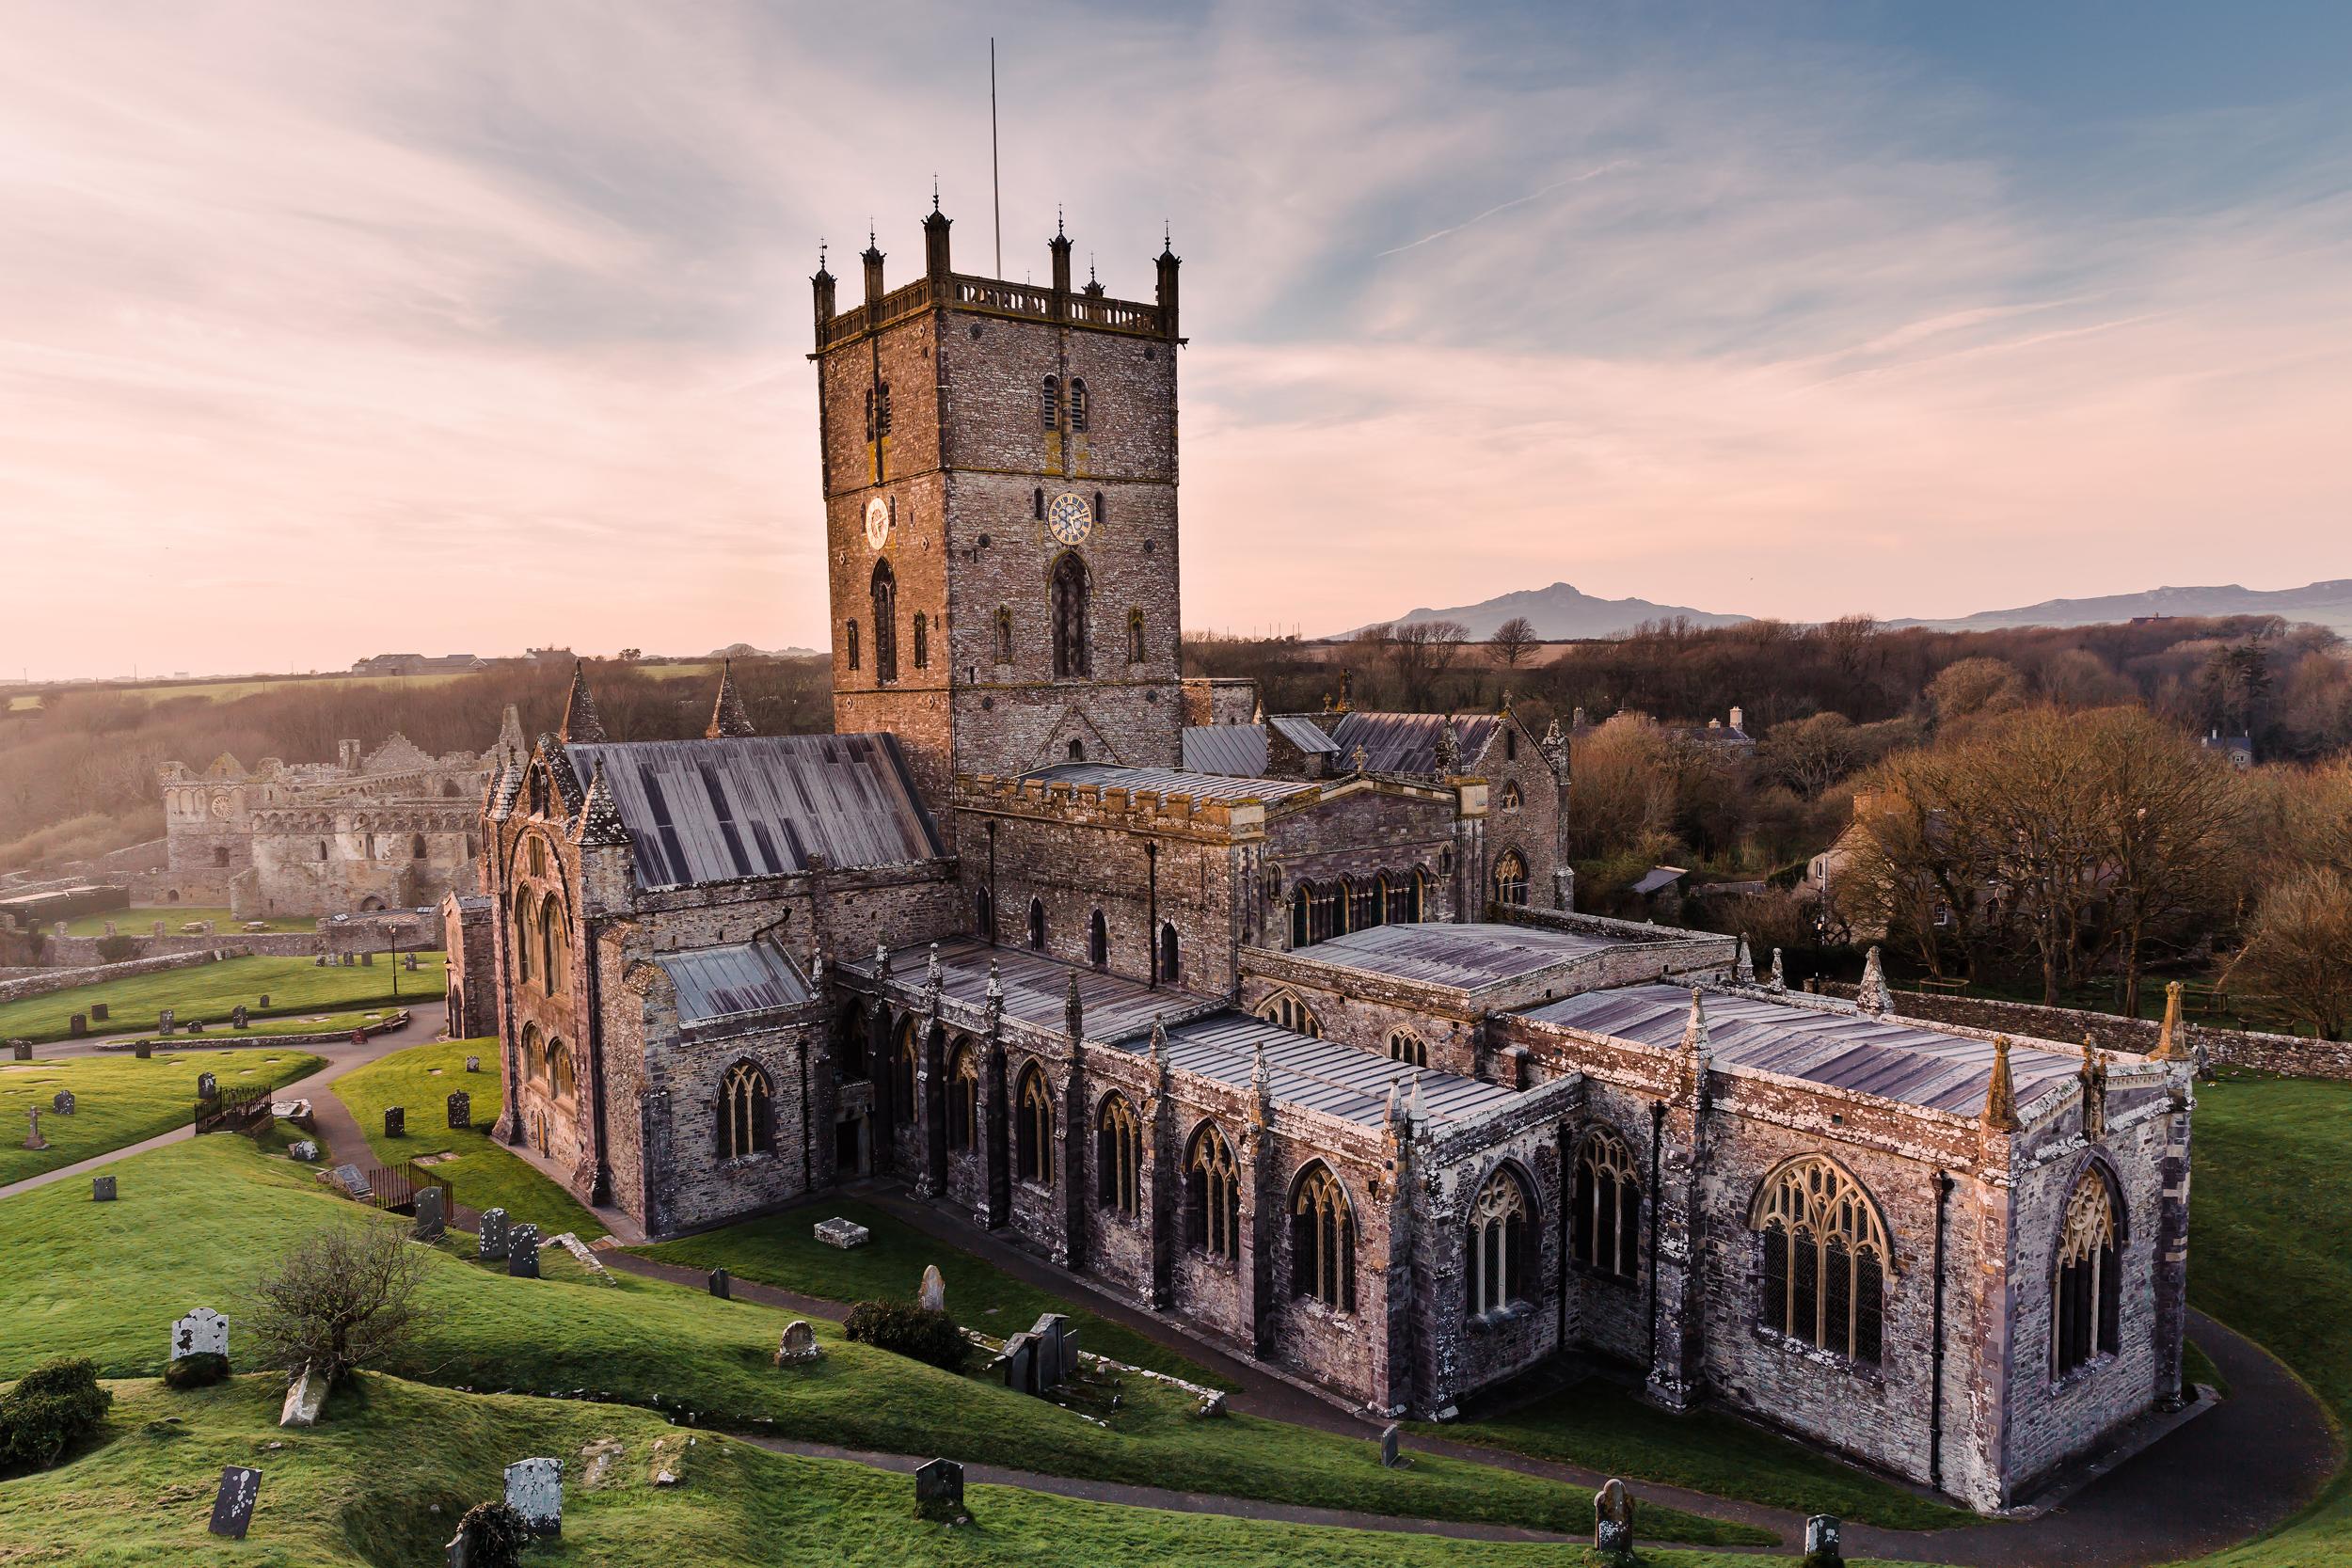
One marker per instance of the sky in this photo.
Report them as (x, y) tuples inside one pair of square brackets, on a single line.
[(328, 330)]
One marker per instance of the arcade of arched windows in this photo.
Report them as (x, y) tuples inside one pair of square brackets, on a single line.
[(1320, 910)]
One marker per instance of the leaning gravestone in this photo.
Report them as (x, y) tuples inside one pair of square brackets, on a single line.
[(932, 1297), (939, 1491), (98, 1012), (1613, 1521), (1019, 1362), (1390, 1458), (233, 1510), (534, 1489), (799, 1345), (494, 1241), (202, 1331), (306, 1396), (78, 1026), (62, 1102), (522, 1257), (429, 1220), (207, 1086), (33, 1139), (102, 1188), (353, 1180), (460, 1111), (1822, 1545), (395, 1122), (720, 1286)]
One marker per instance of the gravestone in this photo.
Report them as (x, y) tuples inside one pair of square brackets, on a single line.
[(1613, 1521), (473, 1064), (237, 1017), (162, 1022), (494, 1240), (409, 964), (33, 1139), (933, 1295), (207, 1086), (1019, 1362), (395, 1122), (1390, 1458), (319, 962), (78, 1026), (62, 1102), (202, 1331), (534, 1489), (264, 1002), (799, 1345), (523, 1252), (110, 928), (97, 1011), (353, 1180), (838, 1233), (306, 1396), (20, 1049), (460, 1111), (720, 1286), (367, 959), (1056, 1350), (349, 961), (102, 1188), (195, 1026), (304, 1150), (158, 928), (1823, 1547), (233, 1510), (939, 1491), (429, 1220), (143, 1050)]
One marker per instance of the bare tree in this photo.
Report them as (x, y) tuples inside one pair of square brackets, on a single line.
[(1810, 754), (1419, 655), (1513, 642), (342, 1297), (2300, 949)]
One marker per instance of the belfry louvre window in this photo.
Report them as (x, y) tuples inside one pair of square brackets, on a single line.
[(2085, 1324), (1080, 406), (1212, 1196), (1037, 924), (963, 1099), (1134, 637), (1033, 1129), (1323, 1240), (1608, 1216), (1825, 1259), (1049, 402), (1171, 953), (849, 643), (1500, 1258), (1118, 1156), (743, 1112), (1099, 942)]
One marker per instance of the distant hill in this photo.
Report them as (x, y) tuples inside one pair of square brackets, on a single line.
[(2327, 604), (1562, 612)]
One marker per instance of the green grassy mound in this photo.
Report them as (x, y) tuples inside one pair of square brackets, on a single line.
[(487, 1175), (207, 991), (120, 1100)]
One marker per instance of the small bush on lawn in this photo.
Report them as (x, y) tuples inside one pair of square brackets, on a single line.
[(118, 948), (906, 1329), (495, 1535), (196, 1372), (54, 1406)]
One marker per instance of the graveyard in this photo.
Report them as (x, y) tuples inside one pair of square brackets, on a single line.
[(206, 993), (139, 917), (119, 1100)]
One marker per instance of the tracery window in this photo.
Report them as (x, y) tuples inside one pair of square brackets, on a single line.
[(1118, 1156), (523, 938), (1511, 878), (1072, 660), (1212, 1195), (533, 1063), (1501, 1259), (1033, 1129), (1286, 1011), (1099, 941), (1512, 799), (2089, 1276), (1406, 1047), (964, 1098), (554, 959), (1322, 1239), (1608, 1218), (1825, 1259), (885, 594), (1037, 924), (743, 1112)]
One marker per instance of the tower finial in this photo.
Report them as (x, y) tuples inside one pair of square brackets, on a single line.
[(2001, 1093), (580, 721), (1057, 229), (934, 193), (2169, 1036), (820, 253)]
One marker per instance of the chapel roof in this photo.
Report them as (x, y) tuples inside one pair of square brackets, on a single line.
[(1172, 781), (1343, 1081), (1242, 749), (717, 983), (1407, 742), (1465, 957)]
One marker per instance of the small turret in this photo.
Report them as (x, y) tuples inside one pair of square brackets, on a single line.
[(873, 259), (1449, 751), (1168, 264), (580, 724), (1779, 980), (599, 824), (935, 263), (1060, 247), (2168, 1037), (1742, 966), (1074, 1010), (1872, 996), (2001, 1093), (821, 285)]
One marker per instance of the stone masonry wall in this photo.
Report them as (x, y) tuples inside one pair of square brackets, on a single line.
[(48, 980)]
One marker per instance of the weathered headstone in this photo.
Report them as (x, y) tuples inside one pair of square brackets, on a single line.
[(162, 1022), (395, 1122), (110, 928), (33, 1139), (305, 1398), (473, 1064), (233, 1510), (720, 1286), (494, 1239), (98, 1012), (409, 964), (202, 1331), (304, 1150), (264, 1002), (78, 1026), (534, 1489), (1612, 1520), (1057, 1354), (102, 1188), (1823, 1546), (353, 1180), (20, 1049), (143, 1050), (1019, 1361), (349, 961), (429, 1220), (237, 1017), (195, 1026), (158, 928), (62, 1102), (838, 1233), (460, 1111), (207, 1086), (1390, 1458), (799, 1344), (319, 962), (932, 1297), (939, 1491), (367, 959), (522, 1254)]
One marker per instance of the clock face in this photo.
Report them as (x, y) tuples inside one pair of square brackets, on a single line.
[(876, 522), (1070, 519)]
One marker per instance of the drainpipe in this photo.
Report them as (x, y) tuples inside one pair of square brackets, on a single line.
[(1656, 1146), (1152, 920), (600, 1189), (1942, 1185)]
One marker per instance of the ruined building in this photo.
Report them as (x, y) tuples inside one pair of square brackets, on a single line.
[(1279, 1043)]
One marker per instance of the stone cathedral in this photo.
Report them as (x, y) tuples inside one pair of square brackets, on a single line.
[(1277, 1025)]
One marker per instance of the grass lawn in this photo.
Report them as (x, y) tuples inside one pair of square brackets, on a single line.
[(359, 1490), (119, 1101), (197, 1219), (207, 991), (779, 1249), (140, 921), (487, 1175), (1605, 1427)]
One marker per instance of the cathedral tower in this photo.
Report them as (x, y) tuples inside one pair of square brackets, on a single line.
[(1000, 517)]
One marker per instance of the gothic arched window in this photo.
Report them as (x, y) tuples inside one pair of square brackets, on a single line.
[(1049, 402), (1286, 1011), (1825, 1258), (1033, 1129), (1299, 913), (2087, 1323), (533, 1057), (1134, 637), (1037, 924), (1502, 1262), (1071, 659), (1118, 1156), (560, 1080), (525, 920), (1510, 747), (1406, 1047), (984, 915), (1171, 951), (1004, 634), (1425, 895), (849, 1049), (1363, 905), (1079, 405), (849, 643), (1322, 1239), (415, 847), (1099, 941), (885, 590), (964, 1098), (922, 641), (1608, 1217), (1512, 799), (1511, 878), (554, 956), (742, 1111), (1212, 1195)]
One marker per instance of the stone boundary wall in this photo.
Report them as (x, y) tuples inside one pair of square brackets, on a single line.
[(269, 944), (396, 1019), (66, 979), (2291, 1055)]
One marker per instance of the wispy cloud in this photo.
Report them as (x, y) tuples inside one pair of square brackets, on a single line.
[(1504, 207)]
